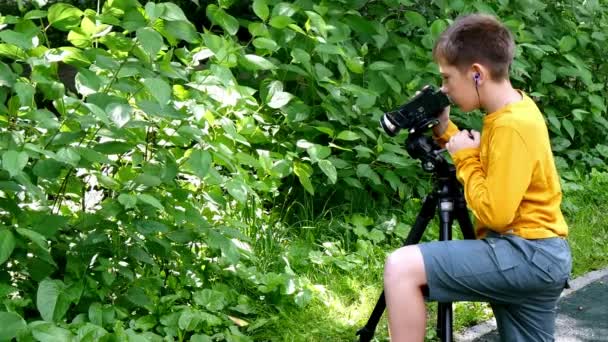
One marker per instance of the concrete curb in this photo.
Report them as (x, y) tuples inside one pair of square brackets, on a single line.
[(481, 329)]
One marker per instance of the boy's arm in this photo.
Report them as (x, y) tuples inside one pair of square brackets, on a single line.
[(447, 134), (495, 195)]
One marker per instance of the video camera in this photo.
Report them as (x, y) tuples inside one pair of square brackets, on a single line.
[(419, 113)]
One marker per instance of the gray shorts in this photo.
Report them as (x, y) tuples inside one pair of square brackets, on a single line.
[(521, 279)]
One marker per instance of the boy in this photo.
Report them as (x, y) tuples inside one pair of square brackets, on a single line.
[(521, 261)]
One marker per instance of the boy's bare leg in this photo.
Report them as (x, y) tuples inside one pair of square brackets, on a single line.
[(404, 276)]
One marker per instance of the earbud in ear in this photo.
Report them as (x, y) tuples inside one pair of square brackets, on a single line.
[(476, 78)]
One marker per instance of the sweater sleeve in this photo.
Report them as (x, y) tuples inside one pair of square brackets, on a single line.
[(494, 195), (449, 132)]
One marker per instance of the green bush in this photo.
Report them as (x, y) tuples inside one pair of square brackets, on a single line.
[(155, 196)]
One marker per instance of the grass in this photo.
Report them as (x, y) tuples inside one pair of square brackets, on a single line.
[(345, 292)]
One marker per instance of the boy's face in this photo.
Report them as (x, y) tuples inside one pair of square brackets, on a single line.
[(459, 86)]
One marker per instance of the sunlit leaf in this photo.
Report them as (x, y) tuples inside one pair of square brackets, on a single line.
[(14, 161), (64, 16)]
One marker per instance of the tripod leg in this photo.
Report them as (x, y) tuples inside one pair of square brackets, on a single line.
[(424, 216), (444, 310)]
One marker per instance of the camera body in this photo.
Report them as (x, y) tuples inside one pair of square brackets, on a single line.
[(419, 113)]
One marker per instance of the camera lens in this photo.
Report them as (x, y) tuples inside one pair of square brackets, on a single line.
[(388, 125)]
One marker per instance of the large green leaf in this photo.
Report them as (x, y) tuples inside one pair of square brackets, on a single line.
[(14, 161), (7, 245), (17, 38), (199, 162), (255, 62), (52, 300), (64, 16), (151, 200), (151, 40), (260, 8), (304, 172), (159, 89), (225, 20), (237, 189), (12, 325), (329, 169)]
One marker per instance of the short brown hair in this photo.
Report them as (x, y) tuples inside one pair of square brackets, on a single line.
[(477, 38)]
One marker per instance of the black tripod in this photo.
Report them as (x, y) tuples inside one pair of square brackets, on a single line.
[(447, 196)]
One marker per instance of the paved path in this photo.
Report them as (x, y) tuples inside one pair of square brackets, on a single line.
[(582, 313)]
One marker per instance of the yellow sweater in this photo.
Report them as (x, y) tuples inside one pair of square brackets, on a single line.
[(510, 181)]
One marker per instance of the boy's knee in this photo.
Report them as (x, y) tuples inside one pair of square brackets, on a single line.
[(405, 265)]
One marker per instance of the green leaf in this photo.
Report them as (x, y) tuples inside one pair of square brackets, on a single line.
[(151, 40), (74, 56), (17, 38), (149, 227), (159, 89), (602, 149), (237, 189), (569, 127), (265, 43), (87, 82), (113, 147), (183, 30), (14, 162), (92, 155), (260, 8), (304, 171), (12, 325), (137, 296), (566, 44), (68, 155), (147, 180), (317, 23), (225, 20), (12, 52), (7, 77), (127, 200), (151, 200), (547, 76), (52, 300), (437, 27), (64, 16), (7, 245), (79, 39), (348, 136), (365, 171), (280, 21), (318, 152), (33, 236), (414, 18), (392, 82), (48, 332), (199, 162), (255, 62), (171, 12), (329, 169), (279, 99), (354, 64), (96, 314), (119, 113), (35, 14)]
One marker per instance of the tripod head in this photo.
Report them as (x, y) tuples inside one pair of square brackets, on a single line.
[(425, 149)]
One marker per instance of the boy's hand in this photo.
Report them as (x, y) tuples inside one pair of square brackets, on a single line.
[(463, 139)]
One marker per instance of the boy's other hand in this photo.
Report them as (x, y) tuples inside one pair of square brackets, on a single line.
[(463, 139), (444, 120)]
